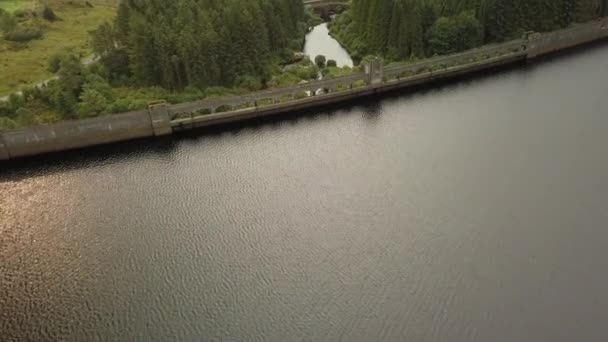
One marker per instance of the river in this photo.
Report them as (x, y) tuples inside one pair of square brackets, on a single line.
[(474, 211), (319, 42)]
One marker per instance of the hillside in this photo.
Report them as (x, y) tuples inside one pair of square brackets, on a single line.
[(25, 63)]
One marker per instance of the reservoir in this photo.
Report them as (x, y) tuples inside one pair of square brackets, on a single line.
[(472, 211)]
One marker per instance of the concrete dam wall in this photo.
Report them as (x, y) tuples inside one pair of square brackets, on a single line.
[(162, 119)]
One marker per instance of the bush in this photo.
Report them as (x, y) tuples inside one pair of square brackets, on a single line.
[(189, 94), (217, 91), (333, 72), (71, 74), (20, 13), (99, 70), (55, 62), (65, 102), (308, 73), (92, 103), (7, 22), (119, 106), (15, 101), (48, 14), (7, 124), (320, 61), (250, 83), (99, 84), (454, 34), (224, 108), (296, 44), (303, 71), (286, 56), (31, 93), (331, 63), (25, 117), (116, 63), (5, 109), (285, 79), (23, 34)]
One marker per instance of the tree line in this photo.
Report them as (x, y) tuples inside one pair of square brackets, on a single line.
[(179, 50), (200, 43), (400, 29)]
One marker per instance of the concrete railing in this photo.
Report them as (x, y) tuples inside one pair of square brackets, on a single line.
[(466, 57), (541, 44), (162, 119), (271, 96), (333, 85)]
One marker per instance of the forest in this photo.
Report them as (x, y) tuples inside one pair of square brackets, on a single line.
[(199, 43), (186, 50), (179, 50), (404, 29)]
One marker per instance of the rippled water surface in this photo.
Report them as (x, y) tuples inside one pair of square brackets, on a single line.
[(476, 211)]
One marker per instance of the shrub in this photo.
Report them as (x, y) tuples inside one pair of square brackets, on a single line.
[(5, 109), (31, 93), (23, 34), (296, 44), (25, 117), (331, 63), (116, 63), (7, 124), (217, 91), (20, 13), (308, 73), (15, 101), (187, 95), (99, 84), (320, 61), (48, 14), (286, 56), (65, 103), (285, 79), (119, 106), (250, 83), (92, 103), (55, 62), (224, 108), (453, 34), (99, 70), (7, 22), (303, 72)]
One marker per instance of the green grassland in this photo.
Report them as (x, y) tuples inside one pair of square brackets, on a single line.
[(12, 5), (24, 64)]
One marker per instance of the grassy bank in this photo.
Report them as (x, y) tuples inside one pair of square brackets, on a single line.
[(24, 64), (12, 5)]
